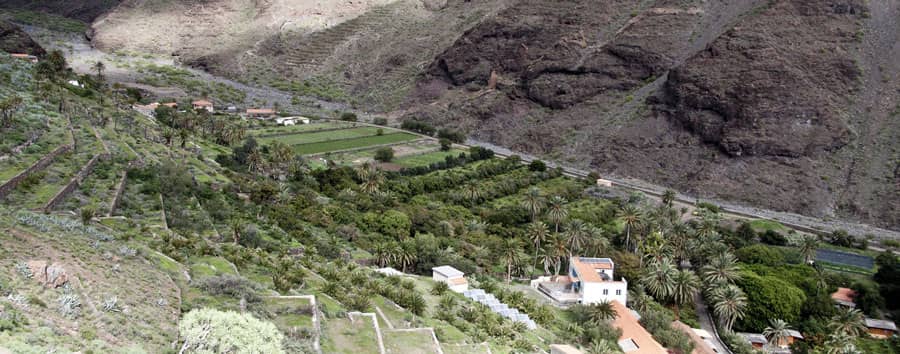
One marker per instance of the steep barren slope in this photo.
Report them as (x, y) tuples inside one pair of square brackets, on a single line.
[(14, 40), (84, 10), (753, 102)]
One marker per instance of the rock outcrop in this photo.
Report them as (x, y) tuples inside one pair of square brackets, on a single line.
[(51, 276), (14, 40)]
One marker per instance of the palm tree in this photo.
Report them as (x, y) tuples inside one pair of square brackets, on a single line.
[(640, 301), (729, 303), (87, 214), (556, 210), (383, 253), (808, 247), (405, 257), (631, 217), (721, 269), (848, 321), (668, 197), (597, 243), (777, 332), (533, 202), (840, 343), (684, 285), (99, 67), (472, 193), (511, 257), (548, 259), (577, 235), (371, 177), (603, 346), (601, 312), (236, 225), (558, 249), (537, 232), (658, 278)]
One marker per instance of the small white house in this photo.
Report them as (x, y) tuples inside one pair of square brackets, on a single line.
[(291, 120), (451, 276), (76, 83), (593, 278)]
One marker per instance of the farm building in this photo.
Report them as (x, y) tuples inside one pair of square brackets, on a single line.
[(844, 297), (291, 120), (701, 345), (881, 328), (451, 276), (634, 339), (23, 56), (604, 182), (564, 349), (589, 281), (260, 113), (203, 104)]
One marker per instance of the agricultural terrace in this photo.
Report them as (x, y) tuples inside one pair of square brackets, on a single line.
[(349, 144)]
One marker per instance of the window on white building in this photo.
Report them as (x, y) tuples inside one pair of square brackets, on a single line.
[(618, 292), (605, 292)]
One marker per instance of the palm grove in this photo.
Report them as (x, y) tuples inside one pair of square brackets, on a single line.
[(497, 219)]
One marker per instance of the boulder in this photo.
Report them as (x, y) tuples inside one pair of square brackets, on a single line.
[(50, 276)]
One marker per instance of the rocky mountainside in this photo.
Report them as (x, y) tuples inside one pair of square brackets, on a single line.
[(83, 10), (14, 40), (757, 102), (785, 104)]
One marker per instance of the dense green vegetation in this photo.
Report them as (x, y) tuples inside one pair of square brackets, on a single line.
[(235, 221)]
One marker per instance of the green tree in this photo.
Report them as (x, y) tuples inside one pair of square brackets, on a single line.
[(8, 108), (446, 144), (659, 277), (769, 297), (87, 214), (684, 285), (777, 332), (668, 197), (631, 217), (394, 223), (537, 232), (556, 211), (211, 331), (511, 256), (601, 312), (723, 268), (849, 322), (577, 235), (385, 154), (808, 246), (729, 304), (534, 202)]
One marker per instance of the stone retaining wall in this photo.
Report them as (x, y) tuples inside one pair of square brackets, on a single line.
[(38, 166)]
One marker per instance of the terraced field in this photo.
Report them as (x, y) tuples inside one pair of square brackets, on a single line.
[(341, 335), (316, 137)]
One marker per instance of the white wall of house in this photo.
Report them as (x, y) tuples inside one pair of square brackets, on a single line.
[(592, 293), (459, 288), (438, 277)]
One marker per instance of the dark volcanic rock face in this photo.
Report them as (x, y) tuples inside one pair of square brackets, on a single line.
[(553, 55), (773, 92), (750, 101), (14, 40), (84, 10)]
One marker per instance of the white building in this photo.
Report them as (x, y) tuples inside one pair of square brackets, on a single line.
[(291, 120), (454, 278), (589, 281)]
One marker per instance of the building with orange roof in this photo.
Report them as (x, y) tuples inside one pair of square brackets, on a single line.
[(634, 339), (23, 56), (589, 281), (203, 104), (701, 346), (260, 112), (844, 297)]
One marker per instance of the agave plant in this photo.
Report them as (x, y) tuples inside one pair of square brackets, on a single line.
[(23, 269), (111, 304), (69, 305)]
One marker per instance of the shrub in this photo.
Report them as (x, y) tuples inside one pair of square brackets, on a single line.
[(385, 154), (445, 144), (419, 127), (380, 121), (769, 297), (772, 237), (452, 135), (439, 288), (348, 116), (207, 330), (230, 285), (537, 166), (760, 254), (379, 132)]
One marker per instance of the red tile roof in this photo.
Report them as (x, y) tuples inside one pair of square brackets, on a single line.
[(202, 103), (260, 111), (587, 271), (632, 330), (844, 295)]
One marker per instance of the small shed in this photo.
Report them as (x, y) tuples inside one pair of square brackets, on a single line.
[(453, 277), (881, 328)]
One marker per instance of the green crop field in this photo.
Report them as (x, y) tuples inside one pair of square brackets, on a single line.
[(316, 137), (426, 158), (315, 148), (300, 128)]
